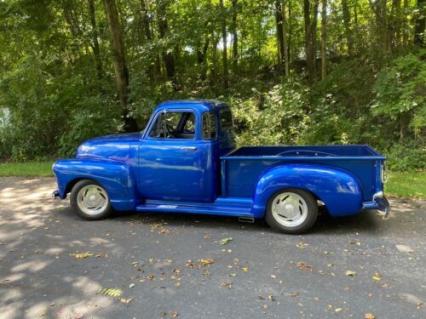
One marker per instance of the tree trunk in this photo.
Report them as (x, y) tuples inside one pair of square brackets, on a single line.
[(279, 33), (285, 41), (289, 31), (420, 24), (382, 26), (234, 30), (347, 25), (163, 30), (396, 24), (95, 42), (405, 24), (202, 59), (120, 65), (146, 27), (147, 37), (323, 38), (224, 51), (310, 17)]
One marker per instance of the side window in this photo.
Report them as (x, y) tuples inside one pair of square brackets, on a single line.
[(174, 125), (209, 126)]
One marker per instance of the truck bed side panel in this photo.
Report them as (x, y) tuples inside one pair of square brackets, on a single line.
[(241, 175), (338, 189)]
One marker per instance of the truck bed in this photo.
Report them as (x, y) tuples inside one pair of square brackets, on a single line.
[(242, 167)]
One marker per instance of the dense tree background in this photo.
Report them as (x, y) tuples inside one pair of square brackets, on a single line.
[(294, 71)]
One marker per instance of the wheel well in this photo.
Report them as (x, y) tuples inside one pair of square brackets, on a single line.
[(72, 183)]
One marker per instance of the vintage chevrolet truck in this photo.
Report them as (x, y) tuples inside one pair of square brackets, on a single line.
[(186, 161)]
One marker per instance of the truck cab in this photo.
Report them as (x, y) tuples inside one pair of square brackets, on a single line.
[(186, 161), (180, 150)]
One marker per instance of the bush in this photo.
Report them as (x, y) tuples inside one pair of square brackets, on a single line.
[(275, 117), (406, 157)]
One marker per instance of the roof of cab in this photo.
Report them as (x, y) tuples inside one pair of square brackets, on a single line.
[(200, 105)]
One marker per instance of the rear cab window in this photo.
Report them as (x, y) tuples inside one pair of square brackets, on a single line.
[(209, 126), (227, 135)]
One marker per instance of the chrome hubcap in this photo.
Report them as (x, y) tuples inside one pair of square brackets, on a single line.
[(289, 209), (92, 200)]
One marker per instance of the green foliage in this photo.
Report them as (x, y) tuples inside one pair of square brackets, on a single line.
[(406, 157), (274, 117), (401, 94), (57, 78), (97, 117)]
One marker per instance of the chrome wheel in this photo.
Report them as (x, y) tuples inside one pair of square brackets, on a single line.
[(289, 209), (92, 200)]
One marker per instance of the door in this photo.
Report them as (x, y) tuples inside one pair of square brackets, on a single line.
[(174, 163)]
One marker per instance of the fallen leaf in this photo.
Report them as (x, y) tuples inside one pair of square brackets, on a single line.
[(337, 310), (206, 261), (369, 316), (111, 292), (410, 298), (226, 284), (355, 242), (376, 276), (126, 300), (83, 255), (304, 266), (225, 241), (404, 249), (245, 269), (131, 285), (150, 277), (301, 245), (271, 298), (350, 273)]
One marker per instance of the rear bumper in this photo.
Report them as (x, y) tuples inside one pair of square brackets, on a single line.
[(379, 203)]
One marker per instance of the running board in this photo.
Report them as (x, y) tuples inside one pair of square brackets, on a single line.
[(219, 207)]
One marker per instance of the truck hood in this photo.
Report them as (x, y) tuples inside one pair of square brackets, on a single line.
[(115, 147)]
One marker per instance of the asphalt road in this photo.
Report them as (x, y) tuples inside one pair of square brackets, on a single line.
[(54, 265)]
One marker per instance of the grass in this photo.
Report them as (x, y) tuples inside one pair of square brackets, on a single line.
[(400, 184), (27, 169), (406, 184)]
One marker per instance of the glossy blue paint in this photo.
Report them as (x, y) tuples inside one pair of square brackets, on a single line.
[(115, 177), (333, 186), (210, 176)]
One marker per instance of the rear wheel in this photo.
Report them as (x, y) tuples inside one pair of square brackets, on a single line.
[(90, 200), (292, 211)]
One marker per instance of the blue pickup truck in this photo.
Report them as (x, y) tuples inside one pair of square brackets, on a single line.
[(186, 161)]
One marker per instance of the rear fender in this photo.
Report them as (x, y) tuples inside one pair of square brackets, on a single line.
[(338, 189), (113, 176)]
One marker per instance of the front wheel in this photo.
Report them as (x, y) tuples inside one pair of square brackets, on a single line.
[(292, 211), (90, 200)]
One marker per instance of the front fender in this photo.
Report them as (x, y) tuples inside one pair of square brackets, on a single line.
[(338, 189), (115, 177)]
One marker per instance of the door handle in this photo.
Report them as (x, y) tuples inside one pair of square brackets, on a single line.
[(188, 148)]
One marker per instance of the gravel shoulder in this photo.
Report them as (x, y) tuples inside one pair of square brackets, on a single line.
[(54, 265)]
